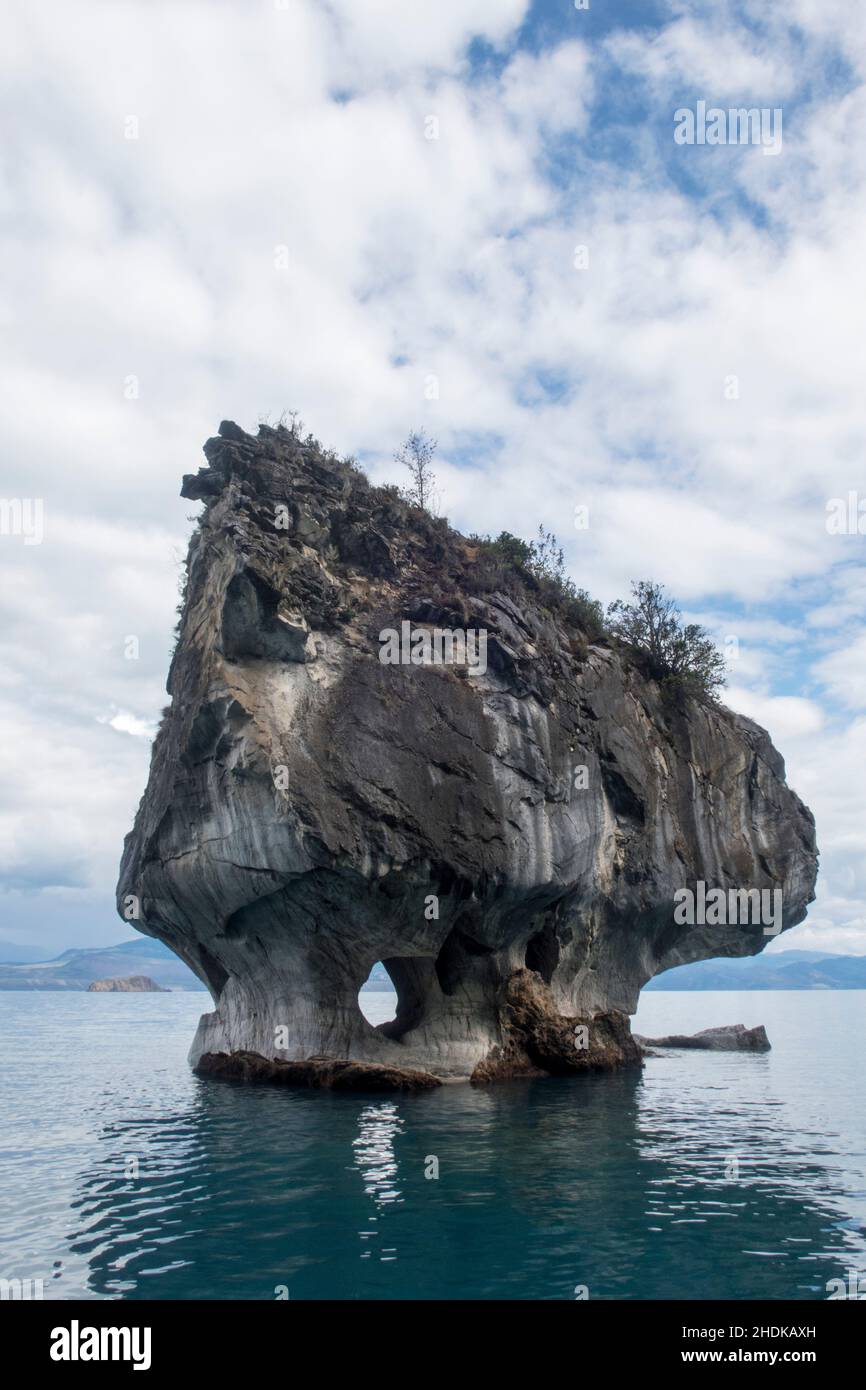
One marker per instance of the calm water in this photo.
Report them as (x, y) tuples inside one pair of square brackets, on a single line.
[(626, 1185)]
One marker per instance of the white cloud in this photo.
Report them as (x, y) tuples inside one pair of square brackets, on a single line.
[(411, 257), (375, 38), (783, 716), (707, 55), (843, 672), (126, 723)]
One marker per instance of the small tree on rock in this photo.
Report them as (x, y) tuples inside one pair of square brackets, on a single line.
[(547, 558), (683, 656), (416, 454)]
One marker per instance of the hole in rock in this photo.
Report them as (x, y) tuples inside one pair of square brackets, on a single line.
[(456, 958), (623, 798), (542, 953), (398, 1010), (255, 628), (377, 997)]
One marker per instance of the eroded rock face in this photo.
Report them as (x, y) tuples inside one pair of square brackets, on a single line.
[(538, 1040), (311, 810)]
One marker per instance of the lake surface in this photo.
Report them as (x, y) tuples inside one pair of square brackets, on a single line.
[(712, 1175)]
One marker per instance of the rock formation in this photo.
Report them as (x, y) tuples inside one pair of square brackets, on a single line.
[(129, 984), (505, 835), (733, 1037)]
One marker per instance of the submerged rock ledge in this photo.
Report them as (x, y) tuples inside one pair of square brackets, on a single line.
[(507, 837), (321, 1073)]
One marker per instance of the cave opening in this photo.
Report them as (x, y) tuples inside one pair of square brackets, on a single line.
[(397, 1010), (377, 997), (542, 952), (460, 952)]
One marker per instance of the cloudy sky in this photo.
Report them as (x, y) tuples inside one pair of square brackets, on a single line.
[(466, 215)]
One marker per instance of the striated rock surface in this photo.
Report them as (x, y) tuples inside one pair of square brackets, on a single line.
[(733, 1037), (506, 840), (128, 984)]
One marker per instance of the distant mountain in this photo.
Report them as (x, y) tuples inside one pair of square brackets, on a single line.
[(78, 967), (787, 970), (126, 984), (379, 981), (13, 951)]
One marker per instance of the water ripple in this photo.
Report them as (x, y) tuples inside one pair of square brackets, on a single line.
[(710, 1176)]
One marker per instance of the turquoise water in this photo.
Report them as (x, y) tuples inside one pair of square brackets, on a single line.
[(124, 1176)]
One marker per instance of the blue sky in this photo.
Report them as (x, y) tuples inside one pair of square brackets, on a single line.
[(469, 216)]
